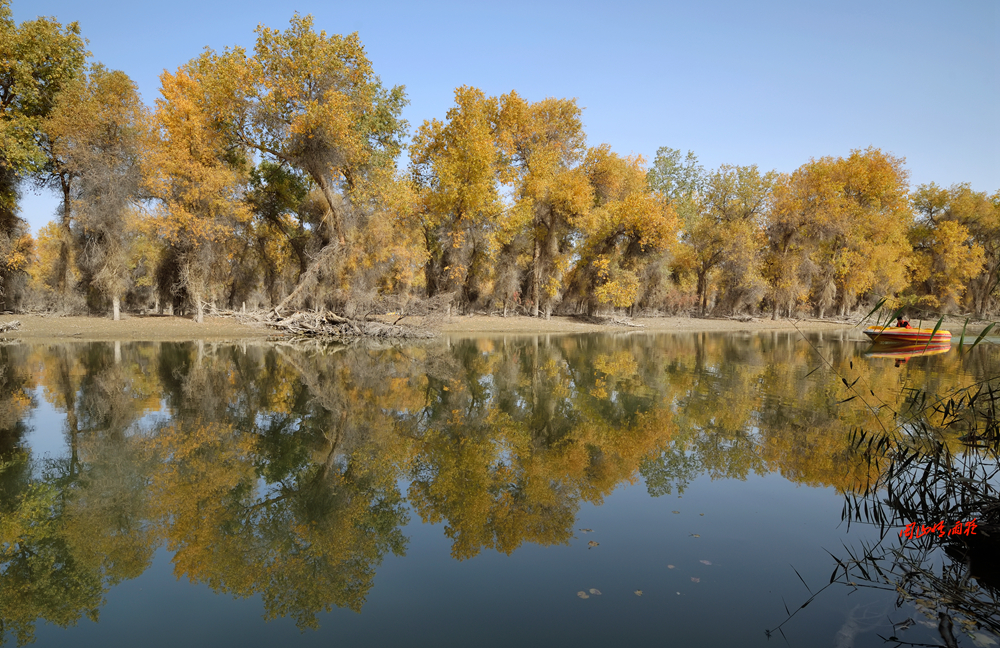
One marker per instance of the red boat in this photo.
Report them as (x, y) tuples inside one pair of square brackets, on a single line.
[(901, 335)]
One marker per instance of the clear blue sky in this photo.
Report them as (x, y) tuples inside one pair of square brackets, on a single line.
[(771, 83)]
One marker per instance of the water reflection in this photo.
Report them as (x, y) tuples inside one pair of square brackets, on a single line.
[(289, 472)]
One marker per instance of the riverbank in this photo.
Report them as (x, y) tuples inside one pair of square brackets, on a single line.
[(152, 328), (479, 324), (167, 328)]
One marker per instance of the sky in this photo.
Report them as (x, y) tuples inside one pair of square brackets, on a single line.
[(771, 83)]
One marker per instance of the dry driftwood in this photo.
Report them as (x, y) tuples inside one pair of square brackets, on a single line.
[(330, 325), (614, 320), (12, 325), (626, 321)]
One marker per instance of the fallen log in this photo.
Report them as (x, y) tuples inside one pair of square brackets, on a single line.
[(12, 325)]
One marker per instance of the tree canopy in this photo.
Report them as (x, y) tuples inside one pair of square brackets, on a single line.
[(270, 178)]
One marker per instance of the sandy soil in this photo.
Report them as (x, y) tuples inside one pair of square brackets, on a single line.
[(151, 328), (168, 328), (485, 324), (164, 328)]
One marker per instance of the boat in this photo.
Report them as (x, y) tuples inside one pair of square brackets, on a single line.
[(902, 335)]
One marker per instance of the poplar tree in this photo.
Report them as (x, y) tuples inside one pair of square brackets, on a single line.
[(37, 59), (547, 145), (198, 179), (622, 234), (104, 138), (457, 167)]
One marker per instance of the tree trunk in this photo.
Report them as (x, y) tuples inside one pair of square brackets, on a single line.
[(534, 279), (324, 186), (703, 290), (64, 250), (199, 308), (330, 247), (309, 279), (116, 308)]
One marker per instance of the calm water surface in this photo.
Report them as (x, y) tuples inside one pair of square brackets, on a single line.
[(596, 490)]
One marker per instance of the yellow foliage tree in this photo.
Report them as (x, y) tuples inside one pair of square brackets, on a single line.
[(197, 179), (725, 234), (456, 167), (312, 101), (37, 59), (946, 259), (623, 231), (979, 214), (101, 133), (547, 145), (840, 225)]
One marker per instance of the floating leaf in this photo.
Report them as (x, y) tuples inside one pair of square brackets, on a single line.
[(695, 535), (670, 567), (702, 514), (592, 544), (595, 591), (638, 592), (705, 562), (586, 530), (675, 511), (583, 594), (695, 580)]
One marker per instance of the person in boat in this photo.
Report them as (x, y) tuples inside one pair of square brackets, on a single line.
[(902, 322)]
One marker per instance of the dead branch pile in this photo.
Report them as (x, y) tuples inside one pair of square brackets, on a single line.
[(614, 320), (329, 325), (626, 321), (13, 325)]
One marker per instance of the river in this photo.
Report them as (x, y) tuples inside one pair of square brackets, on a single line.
[(536, 490)]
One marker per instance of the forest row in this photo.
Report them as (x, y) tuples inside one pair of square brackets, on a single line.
[(285, 177)]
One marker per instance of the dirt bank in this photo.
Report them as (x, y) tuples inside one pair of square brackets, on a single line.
[(146, 328), (485, 324)]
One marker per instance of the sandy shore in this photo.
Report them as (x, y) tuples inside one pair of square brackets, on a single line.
[(134, 328), (164, 328), (483, 324)]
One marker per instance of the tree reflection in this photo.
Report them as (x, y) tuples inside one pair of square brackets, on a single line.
[(289, 472), (936, 503), (75, 526), (942, 481), (525, 430), (281, 487), (15, 398)]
